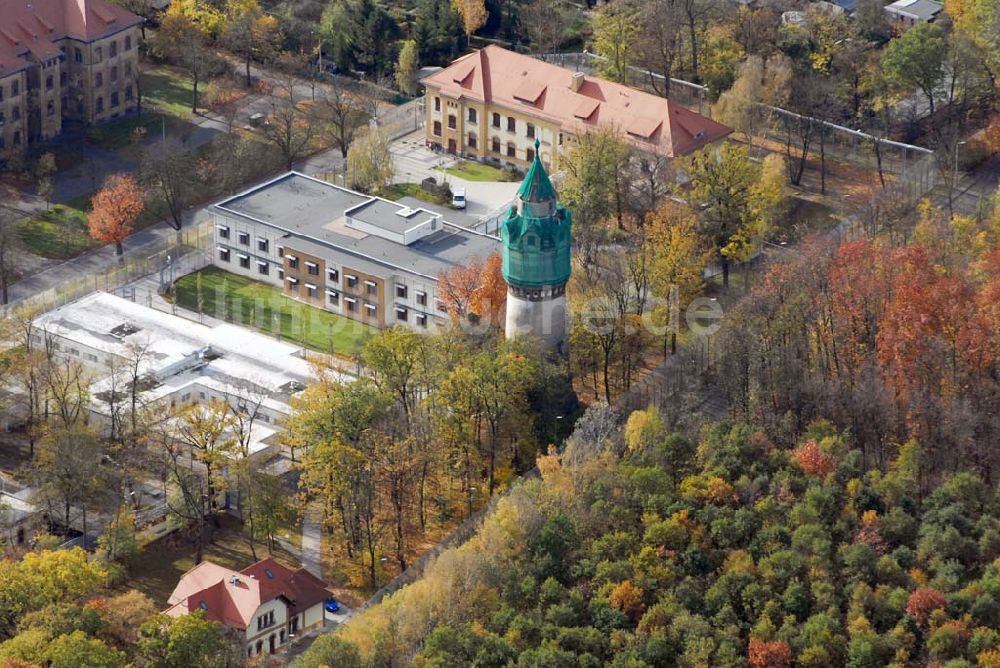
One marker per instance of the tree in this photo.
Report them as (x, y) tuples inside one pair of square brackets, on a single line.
[(114, 210), (76, 649), (678, 258), (182, 41), (45, 169), (473, 13), (616, 29), (916, 58), (169, 170), (9, 243), (735, 201), (759, 85), (250, 33), (369, 161), (546, 24), (359, 34), (188, 640), (406, 68), (291, 125), (330, 651), (478, 289), (344, 114), (438, 31), (660, 41)]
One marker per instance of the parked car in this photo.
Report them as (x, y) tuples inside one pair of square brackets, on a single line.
[(331, 604), (458, 199)]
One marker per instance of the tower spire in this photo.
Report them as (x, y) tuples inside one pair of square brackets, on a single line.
[(536, 186)]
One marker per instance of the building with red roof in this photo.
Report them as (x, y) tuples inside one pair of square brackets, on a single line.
[(64, 60), (266, 601), (493, 104)]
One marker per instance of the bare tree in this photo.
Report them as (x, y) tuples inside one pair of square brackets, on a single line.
[(168, 168), (343, 113)]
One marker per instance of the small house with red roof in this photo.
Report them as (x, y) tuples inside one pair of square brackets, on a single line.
[(266, 601), (492, 105)]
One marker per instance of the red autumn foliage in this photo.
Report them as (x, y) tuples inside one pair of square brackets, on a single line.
[(923, 602), (769, 654), (814, 462), (114, 210)]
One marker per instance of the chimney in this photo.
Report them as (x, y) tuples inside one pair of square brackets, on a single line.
[(577, 81)]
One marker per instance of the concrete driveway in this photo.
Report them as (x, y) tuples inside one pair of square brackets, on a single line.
[(414, 162)]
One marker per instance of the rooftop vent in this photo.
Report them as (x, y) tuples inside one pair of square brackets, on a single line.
[(576, 81), (234, 581), (124, 329)]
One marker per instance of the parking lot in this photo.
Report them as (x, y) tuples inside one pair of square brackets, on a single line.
[(414, 162)]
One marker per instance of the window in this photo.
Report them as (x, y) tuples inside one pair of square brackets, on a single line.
[(128, 42), (49, 82), (128, 92), (511, 151), (437, 104), (529, 154), (352, 304), (14, 88), (310, 289), (2, 119), (98, 80), (114, 99), (281, 274), (113, 50), (223, 231), (333, 275), (472, 115), (312, 268), (244, 238), (472, 140), (1, 93), (224, 254), (371, 287), (262, 244), (281, 251), (401, 291), (15, 113), (128, 69), (293, 284), (62, 78), (100, 104), (263, 268), (352, 281), (437, 128), (244, 261), (441, 306), (333, 297), (511, 124), (293, 262), (421, 298), (531, 131), (371, 310), (422, 319), (496, 120), (452, 122), (401, 314), (50, 108), (114, 73), (77, 55), (560, 138), (98, 54)]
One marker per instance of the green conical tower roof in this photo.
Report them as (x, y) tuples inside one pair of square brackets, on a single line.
[(536, 233), (536, 186)]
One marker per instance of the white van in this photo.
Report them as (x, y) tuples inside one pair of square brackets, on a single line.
[(458, 199)]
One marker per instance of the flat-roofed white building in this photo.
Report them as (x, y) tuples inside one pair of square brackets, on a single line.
[(183, 362)]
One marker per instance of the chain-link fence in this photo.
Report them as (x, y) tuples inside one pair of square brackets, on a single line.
[(187, 251), (400, 121)]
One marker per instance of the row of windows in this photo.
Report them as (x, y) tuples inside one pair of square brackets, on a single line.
[(15, 89), (99, 50), (115, 100), (15, 115), (16, 140)]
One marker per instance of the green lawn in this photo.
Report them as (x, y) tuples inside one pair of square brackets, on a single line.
[(60, 233), (237, 299), (399, 190), (164, 561), (164, 89), (471, 170)]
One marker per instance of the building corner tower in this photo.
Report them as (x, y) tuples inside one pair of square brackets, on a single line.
[(536, 260)]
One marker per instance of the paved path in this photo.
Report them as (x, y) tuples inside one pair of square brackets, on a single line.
[(311, 544)]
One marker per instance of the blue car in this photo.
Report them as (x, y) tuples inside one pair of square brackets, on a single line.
[(331, 604)]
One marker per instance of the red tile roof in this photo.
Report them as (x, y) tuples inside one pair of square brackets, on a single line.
[(232, 597), (31, 27), (545, 91)]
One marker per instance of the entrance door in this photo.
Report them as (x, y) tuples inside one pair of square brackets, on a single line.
[(451, 146), (295, 624), (270, 642)]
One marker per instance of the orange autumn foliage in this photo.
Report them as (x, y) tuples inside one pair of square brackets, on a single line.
[(114, 210), (477, 288), (813, 461), (769, 654), (923, 602)]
